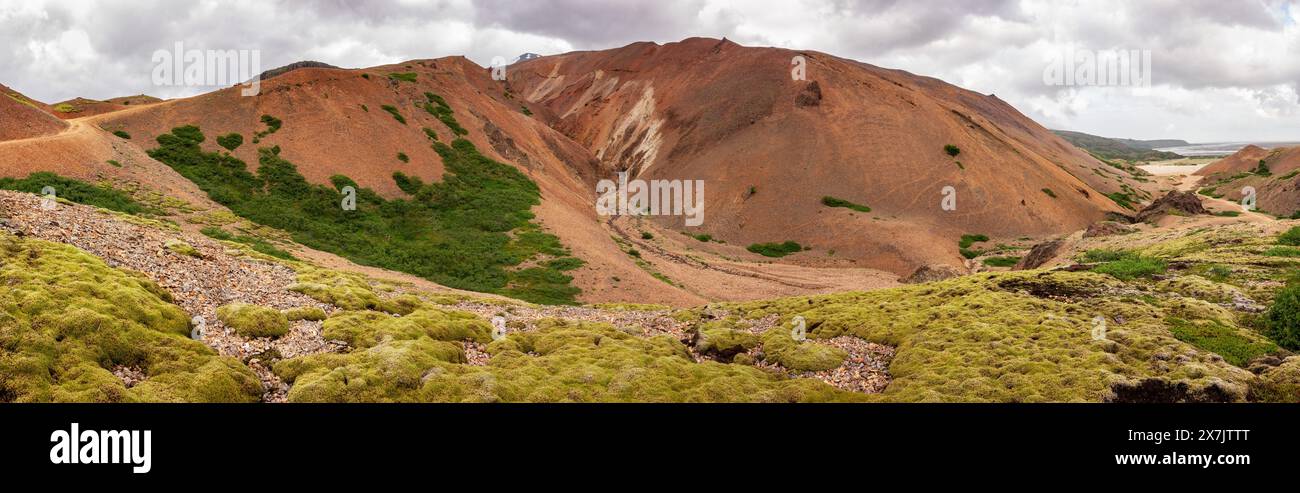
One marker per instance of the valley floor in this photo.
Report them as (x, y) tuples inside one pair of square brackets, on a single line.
[(1187, 331)]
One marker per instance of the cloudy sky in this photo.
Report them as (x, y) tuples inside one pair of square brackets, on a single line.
[(1221, 70)]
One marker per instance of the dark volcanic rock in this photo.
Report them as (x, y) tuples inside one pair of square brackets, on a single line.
[(1106, 228), (1175, 201), (934, 272), (811, 95), (1039, 255)]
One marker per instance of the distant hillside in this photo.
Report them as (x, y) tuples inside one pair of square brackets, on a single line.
[(1126, 149)]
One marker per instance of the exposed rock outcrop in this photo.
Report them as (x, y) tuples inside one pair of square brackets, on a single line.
[(1040, 255), (1174, 202), (934, 272)]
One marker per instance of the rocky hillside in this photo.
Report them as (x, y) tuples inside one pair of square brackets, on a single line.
[(1271, 172)]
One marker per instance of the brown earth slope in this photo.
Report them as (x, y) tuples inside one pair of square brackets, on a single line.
[(22, 117), (1276, 191), (734, 117)]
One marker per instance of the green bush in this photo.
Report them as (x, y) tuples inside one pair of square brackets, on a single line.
[(829, 201), (952, 150), (122, 134), (437, 106), (1001, 261), (1290, 237), (230, 141), (401, 156), (646, 235), (469, 231), (1262, 169), (79, 192), (775, 250), (1283, 317), (1049, 192), (404, 76), (1132, 267), (393, 111), (252, 320), (703, 237), (272, 126), (968, 239)]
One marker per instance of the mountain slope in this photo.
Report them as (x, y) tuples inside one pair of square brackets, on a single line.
[(22, 117), (769, 148)]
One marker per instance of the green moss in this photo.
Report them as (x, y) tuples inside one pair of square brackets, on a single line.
[(1235, 345), (780, 347), (1132, 267), (182, 248), (724, 342), (344, 290), (259, 245), (312, 313), (369, 328), (67, 321), (558, 362), (1278, 384), (253, 320), (1019, 336)]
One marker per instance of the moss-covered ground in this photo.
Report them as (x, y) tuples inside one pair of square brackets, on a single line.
[(67, 321)]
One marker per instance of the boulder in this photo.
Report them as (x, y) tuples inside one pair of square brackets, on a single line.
[(1039, 255), (934, 272), (1107, 228), (1186, 203)]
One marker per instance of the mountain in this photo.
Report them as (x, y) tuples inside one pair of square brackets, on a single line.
[(770, 148), (774, 153), (1271, 172), (1125, 149)]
